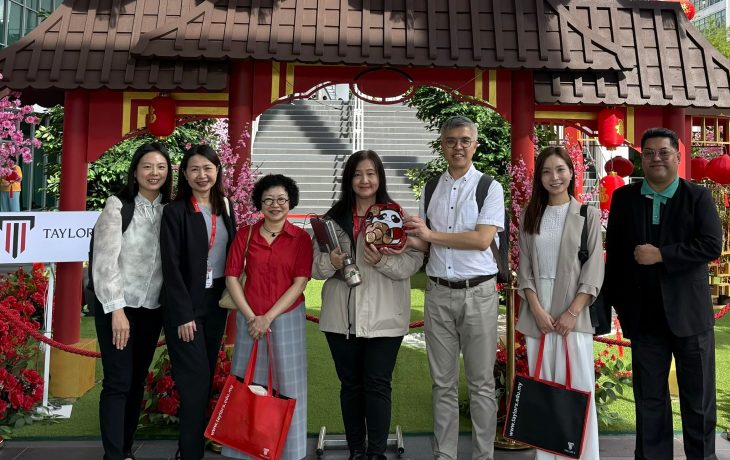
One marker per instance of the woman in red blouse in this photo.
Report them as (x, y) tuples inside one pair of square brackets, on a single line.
[(278, 266)]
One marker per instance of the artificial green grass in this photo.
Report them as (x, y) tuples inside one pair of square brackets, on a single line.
[(411, 386)]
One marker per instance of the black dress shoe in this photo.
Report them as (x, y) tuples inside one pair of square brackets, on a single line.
[(357, 455)]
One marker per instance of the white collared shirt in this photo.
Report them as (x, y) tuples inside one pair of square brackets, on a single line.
[(127, 267), (453, 209)]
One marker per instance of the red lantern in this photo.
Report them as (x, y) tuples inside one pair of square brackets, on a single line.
[(620, 165), (611, 128), (161, 117), (699, 168), (688, 7), (608, 185), (718, 170)]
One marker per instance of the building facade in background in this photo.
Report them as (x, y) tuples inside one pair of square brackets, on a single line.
[(711, 14), (18, 17)]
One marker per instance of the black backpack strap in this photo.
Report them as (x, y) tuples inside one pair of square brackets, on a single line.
[(583, 251), (481, 195), (127, 212), (428, 190), (483, 190)]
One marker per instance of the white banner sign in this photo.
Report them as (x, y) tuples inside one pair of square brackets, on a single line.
[(27, 237)]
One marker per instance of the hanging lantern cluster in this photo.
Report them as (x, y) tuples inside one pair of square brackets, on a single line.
[(607, 186), (620, 165), (698, 166), (611, 128), (688, 7), (718, 170), (161, 119)]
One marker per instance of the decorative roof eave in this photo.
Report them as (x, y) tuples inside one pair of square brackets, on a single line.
[(464, 34), (85, 44)]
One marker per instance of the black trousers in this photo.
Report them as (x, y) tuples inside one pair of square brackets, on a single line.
[(695, 364), (365, 369), (193, 364), (124, 376)]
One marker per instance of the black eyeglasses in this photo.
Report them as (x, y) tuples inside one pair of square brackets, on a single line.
[(281, 201), (451, 142), (664, 154)]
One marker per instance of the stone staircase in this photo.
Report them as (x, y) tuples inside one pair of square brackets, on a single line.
[(310, 140), (401, 140)]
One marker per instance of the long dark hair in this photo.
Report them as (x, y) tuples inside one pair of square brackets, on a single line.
[(184, 191), (539, 199), (343, 207), (341, 211), (131, 188)]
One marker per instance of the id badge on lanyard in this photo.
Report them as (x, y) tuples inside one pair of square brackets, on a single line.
[(213, 222)]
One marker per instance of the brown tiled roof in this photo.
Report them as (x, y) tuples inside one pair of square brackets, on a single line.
[(675, 65), (583, 51), (86, 43), (531, 34)]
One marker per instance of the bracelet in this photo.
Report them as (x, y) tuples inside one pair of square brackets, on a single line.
[(572, 314)]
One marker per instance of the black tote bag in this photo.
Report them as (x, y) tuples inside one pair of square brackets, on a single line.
[(547, 415)]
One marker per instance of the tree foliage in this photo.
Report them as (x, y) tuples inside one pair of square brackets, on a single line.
[(107, 175), (719, 38), (434, 106)]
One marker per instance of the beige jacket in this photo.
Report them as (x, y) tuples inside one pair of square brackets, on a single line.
[(380, 306), (571, 277)]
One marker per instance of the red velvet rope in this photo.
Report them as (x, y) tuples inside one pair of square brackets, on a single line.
[(25, 326)]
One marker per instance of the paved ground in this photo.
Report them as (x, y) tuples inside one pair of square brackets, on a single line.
[(416, 447)]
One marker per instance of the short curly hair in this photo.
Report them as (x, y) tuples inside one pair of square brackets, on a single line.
[(275, 180)]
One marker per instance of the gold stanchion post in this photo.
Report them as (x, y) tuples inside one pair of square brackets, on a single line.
[(500, 441)]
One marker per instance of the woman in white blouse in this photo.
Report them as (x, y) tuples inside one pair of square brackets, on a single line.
[(557, 288), (127, 277)]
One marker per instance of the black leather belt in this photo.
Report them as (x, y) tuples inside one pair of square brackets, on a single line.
[(462, 284)]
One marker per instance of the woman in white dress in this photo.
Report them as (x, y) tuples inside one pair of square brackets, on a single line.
[(555, 285)]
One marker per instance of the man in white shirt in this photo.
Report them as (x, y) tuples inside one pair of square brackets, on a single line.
[(461, 298)]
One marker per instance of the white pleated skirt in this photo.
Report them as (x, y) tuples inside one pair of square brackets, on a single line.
[(582, 373)]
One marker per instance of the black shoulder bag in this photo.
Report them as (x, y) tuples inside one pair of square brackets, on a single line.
[(599, 310)]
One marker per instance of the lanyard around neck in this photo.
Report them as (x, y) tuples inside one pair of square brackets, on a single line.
[(213, 222)]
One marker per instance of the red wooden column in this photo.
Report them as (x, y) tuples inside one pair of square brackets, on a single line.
[(523, 119), (674, 119), (67, 317), (240, 119), (240, 108)]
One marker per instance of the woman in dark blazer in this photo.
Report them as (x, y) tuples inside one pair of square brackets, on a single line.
[(197, 229)]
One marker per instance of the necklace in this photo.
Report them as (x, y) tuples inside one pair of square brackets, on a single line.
[(273, 234)]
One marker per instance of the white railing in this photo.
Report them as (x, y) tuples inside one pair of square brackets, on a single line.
[(254, 129), (358, 124)]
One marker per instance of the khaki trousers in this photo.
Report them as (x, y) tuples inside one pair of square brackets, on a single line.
[(462, 320)]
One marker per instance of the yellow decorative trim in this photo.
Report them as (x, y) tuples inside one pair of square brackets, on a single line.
[(493, 88), (130, 96), (548, 115), (199, 96), (478, 82), (630, 125), (216, 111), (275, 77), (290, 77), (142, 112)]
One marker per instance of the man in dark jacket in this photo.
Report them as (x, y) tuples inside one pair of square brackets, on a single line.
[(661, 235)]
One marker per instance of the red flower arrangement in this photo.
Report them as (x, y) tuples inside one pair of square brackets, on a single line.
[(161, 401), (500, 370), (22, 297), (613, 375)]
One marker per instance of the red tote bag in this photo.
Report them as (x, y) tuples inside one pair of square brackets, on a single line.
[(252, 423), (547, 415)]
